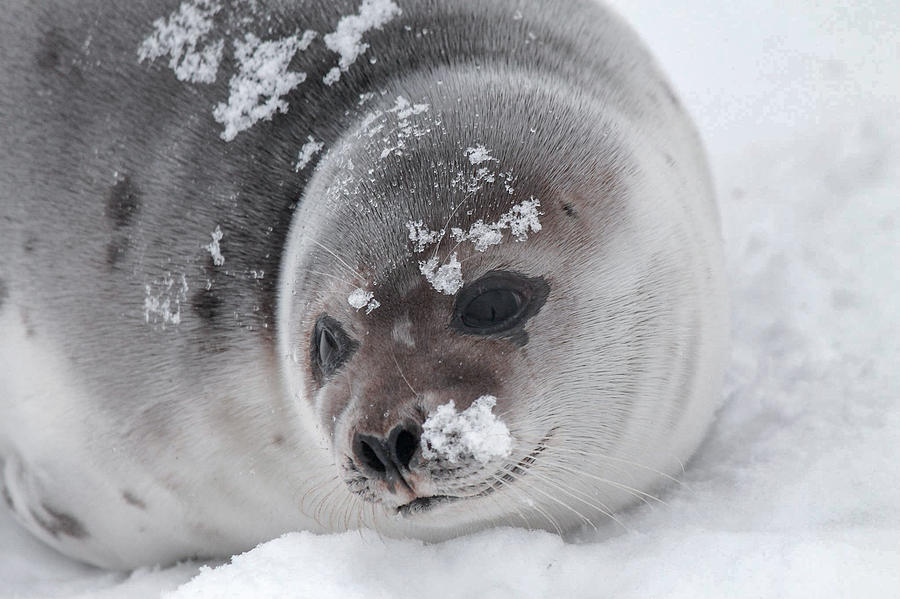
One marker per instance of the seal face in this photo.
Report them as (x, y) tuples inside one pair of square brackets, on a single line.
[(423, 267)]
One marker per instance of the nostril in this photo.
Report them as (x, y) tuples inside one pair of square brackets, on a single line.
[(387, 457), (367, 454), (405, 444)]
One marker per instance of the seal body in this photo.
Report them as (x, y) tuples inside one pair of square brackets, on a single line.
[(250, 254)]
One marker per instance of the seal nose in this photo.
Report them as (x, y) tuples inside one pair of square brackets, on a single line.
[(387, 457)]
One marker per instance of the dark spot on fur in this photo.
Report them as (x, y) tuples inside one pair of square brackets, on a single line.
[(8, 500), (25, 316), (53, 45), (3, 293), (116, 250), (130, 499), (206, 304), (569, 209), (278, 440), (59, 523), (123, 202)]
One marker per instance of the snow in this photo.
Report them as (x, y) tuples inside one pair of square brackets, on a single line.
[(309, 149), (360, 298), (446, 278), (422, 236), (479, 154), (256, 90), (405, 130), (795, 493), (346, 39), (520, 219), (180, 37), (163, 299), (215, 251), (474, 432), (404, 109)]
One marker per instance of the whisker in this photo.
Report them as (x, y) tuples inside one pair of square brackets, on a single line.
[(403, 376), (637, 493), (584, 518), (532, 503), (571, 492), (337, 278), (341, 260), (446, 227), (608, 458)]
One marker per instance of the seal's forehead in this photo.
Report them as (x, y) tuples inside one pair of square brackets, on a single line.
[(420, 187)]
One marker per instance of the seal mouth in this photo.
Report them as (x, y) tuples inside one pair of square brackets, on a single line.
[(506, 475), (423, 504)]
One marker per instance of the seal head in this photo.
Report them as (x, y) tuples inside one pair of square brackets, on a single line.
[(525, 257)]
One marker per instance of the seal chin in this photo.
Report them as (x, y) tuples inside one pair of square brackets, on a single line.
[(420, 505)]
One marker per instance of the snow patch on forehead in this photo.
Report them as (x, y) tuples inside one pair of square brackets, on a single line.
[(446, 278), (519, 220), (256, 90), (360, 298), (346, 39), (181, 37), (475, 432), (421, 235)]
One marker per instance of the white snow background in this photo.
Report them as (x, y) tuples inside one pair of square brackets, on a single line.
[(796, 492)]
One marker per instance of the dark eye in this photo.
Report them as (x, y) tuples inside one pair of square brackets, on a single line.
[(498, 303), (492, 308), (330, 347)]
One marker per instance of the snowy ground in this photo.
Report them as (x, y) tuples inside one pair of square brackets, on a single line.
[(796, 493)]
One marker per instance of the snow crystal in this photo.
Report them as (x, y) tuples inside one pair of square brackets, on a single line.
[(256, 90), (309, 149), (346, 39), (332, 76), (484, 235), (180, 38), (405, 129), (523, 218), (164, 306), (372, 305), (403, 109), (474, 432), (520, 220), (421, 235), (214, 250), (479, 154), (446, 278), (360, 298)]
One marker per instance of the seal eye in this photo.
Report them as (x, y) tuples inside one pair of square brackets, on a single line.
[(331, 347), (328, 346), (492, 308), (499, 303)]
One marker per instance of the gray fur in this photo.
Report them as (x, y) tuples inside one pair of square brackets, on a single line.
[(117, 179)]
